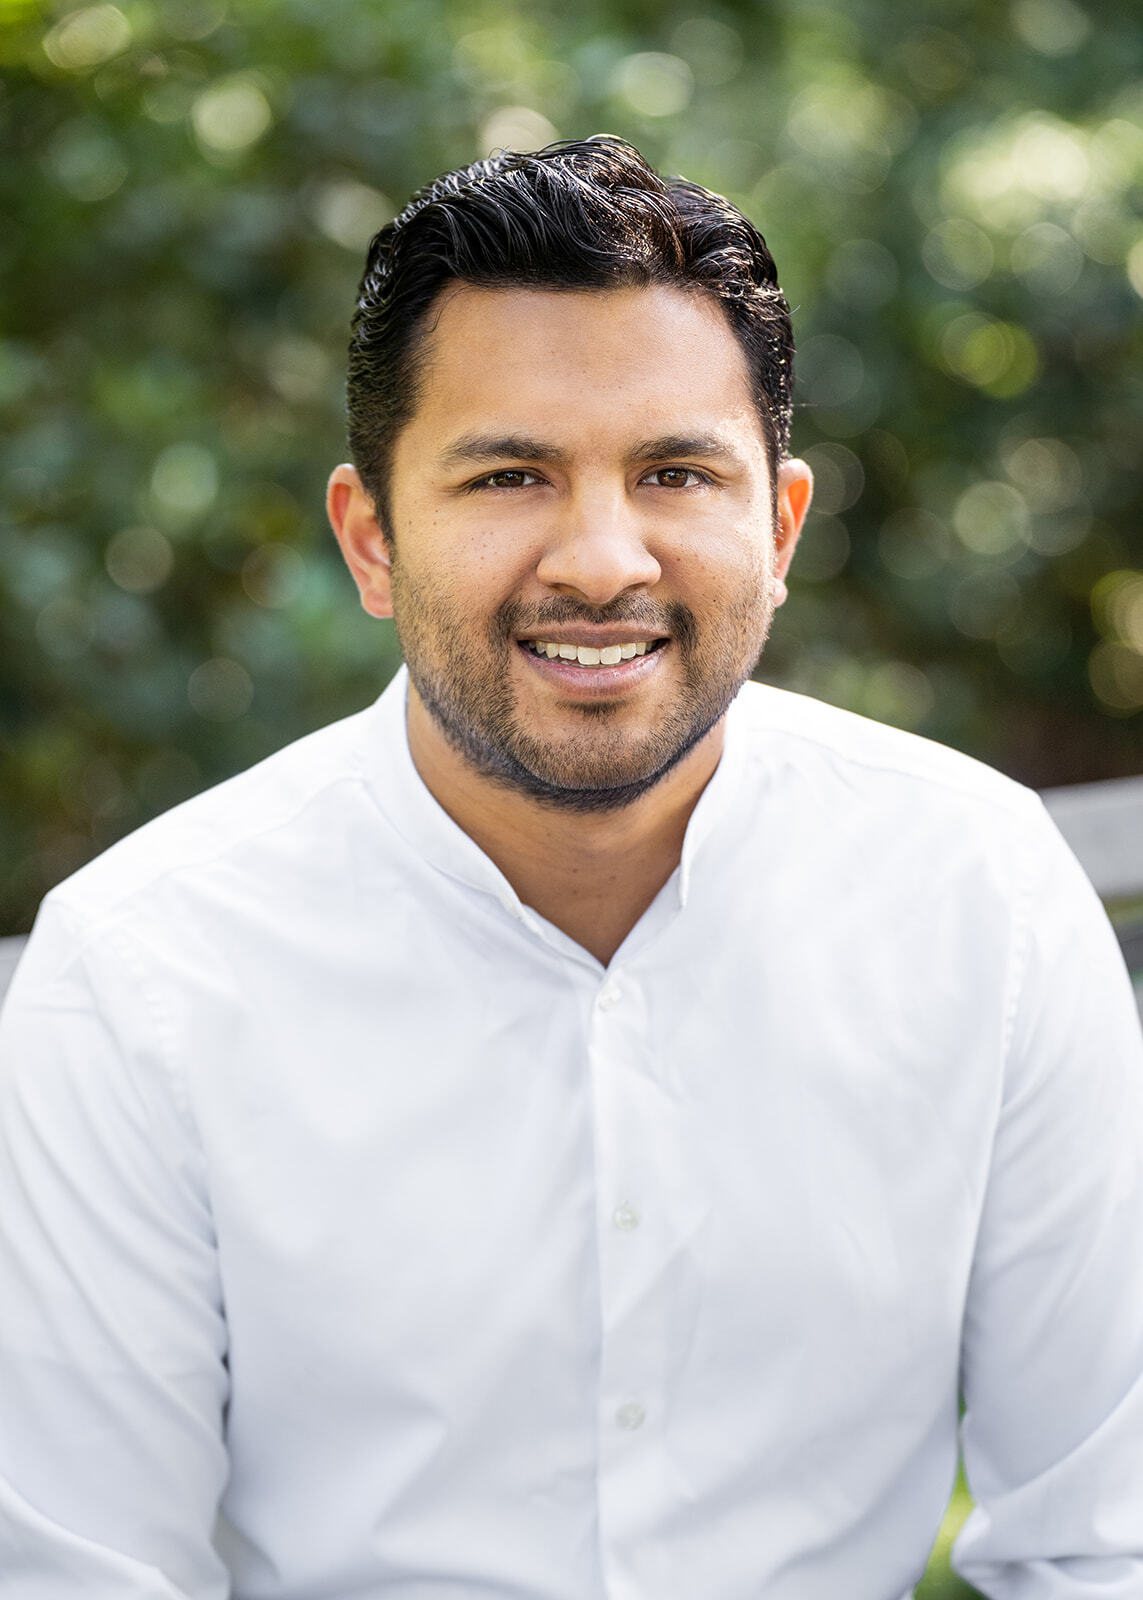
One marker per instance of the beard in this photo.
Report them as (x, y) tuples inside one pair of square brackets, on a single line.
[(464, 680)]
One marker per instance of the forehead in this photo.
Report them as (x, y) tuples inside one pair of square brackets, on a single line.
[(657, 358)]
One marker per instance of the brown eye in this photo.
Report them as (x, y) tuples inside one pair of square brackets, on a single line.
[(508, 479), (673, 477)]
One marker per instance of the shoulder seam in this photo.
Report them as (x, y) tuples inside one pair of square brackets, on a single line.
[(999, 789), (104, 917)]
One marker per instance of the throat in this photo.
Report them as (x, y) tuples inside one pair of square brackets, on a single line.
[(592, 874), (597, 907)]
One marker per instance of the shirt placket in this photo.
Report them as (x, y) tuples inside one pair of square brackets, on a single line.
[(639, 1197)]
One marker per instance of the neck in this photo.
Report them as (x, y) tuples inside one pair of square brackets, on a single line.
[(591, 874)]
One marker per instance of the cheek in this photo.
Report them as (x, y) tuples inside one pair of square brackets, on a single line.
[(483, 564), (733, 567)]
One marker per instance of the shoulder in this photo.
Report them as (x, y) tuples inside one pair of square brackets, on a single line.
[(783, 732), (874, 800), (898, 840), (281, 805)]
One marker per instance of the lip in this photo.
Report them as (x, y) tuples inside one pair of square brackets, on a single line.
[(593, 682)]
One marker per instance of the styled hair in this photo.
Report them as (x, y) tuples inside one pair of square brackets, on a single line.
[(581, 214)]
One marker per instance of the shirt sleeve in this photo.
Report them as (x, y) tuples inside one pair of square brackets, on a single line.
[(1052, 1375), (113, 1372)]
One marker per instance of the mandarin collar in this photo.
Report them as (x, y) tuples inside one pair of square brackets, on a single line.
[(426, 827)]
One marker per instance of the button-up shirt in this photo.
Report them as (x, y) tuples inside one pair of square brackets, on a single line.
[(363, 1236)]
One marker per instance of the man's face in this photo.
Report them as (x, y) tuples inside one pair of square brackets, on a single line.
[(583, 560)]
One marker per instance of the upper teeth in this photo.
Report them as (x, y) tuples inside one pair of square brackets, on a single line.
[(586, 654)]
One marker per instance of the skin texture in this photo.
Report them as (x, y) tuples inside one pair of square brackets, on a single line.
[(582, 467)]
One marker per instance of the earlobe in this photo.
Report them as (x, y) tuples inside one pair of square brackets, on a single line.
[(361, 539)]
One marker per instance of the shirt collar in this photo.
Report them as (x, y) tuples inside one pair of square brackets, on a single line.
[(427, 828)]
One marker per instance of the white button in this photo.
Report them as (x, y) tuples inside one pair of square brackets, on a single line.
[(630, 1415), (625, 1217), (610, 995)]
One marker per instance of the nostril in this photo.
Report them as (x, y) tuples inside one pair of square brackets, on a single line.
[(599, 571)]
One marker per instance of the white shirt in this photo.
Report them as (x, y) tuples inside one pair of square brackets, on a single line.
[(347, 1199)]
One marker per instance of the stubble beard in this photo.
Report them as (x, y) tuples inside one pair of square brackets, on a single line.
[(469, 691)]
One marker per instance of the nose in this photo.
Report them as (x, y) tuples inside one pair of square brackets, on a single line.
[(597, 549)]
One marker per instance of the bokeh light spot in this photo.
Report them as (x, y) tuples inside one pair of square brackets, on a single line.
[(958, 254), (515, 128), (86, 161), (1047, 258), (996, 356), (1116, 674), (1104, 229), (139, 560), (1053, 27), (899, 693), (231, 115), (87, 38), (1117, 607), (299, 368), (991, 518), (1135, 267), (839, 477), (493, 58), (1115, 151), (654, 84), (220, 690), (1047, 472), (1051, 159), (851, 127), (350, 213), (184, 481), (1005, 173)]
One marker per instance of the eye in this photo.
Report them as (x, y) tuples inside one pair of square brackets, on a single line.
[(676, 478), (507, 478)]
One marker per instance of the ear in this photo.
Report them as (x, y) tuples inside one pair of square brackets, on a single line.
[(795, 491), (361, 538)]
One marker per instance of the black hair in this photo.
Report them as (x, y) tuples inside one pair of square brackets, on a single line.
[(582, 214)]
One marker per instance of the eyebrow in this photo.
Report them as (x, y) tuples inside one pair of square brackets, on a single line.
[(679, 444), (499, 447), (479, 447)]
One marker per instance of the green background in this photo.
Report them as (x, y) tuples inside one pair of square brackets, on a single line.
[(953, 194), (953, 191)]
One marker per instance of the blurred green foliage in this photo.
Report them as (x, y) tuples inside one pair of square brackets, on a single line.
[(953, 194), (940, 1581)]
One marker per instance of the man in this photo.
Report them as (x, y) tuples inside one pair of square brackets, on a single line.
[(573, 1129)]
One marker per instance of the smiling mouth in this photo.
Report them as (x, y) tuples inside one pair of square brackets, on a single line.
[(587, 655)]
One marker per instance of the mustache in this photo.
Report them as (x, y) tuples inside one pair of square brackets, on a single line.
[(673, 621)]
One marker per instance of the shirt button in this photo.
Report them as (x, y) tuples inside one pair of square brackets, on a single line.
[(610, 995), (625, 1218), (630, 1415)]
